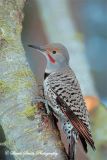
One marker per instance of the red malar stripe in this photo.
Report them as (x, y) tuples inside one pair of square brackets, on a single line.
[(51, 58)]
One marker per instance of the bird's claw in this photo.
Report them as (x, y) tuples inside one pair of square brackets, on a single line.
[(41, 99), (37, 100)]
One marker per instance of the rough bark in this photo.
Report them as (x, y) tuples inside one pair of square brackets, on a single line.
[(20, 138)]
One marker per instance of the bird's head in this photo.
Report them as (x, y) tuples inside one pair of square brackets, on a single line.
[(56, 54)]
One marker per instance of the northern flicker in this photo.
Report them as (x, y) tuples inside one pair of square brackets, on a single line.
[(63, 93)]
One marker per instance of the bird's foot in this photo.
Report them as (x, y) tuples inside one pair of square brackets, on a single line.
[(42, 101), (37, 99)]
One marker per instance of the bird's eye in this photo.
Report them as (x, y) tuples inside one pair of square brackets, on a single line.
[(54, 52)]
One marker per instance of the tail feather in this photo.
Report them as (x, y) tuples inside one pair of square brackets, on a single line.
[(72, 148), (84, 144)]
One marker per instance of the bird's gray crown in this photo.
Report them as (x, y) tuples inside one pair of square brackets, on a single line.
[(62, 48)]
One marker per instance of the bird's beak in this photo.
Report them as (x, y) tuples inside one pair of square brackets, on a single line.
[(43, 50), (37, 47)]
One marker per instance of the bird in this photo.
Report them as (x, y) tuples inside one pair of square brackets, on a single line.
[(64, 96)]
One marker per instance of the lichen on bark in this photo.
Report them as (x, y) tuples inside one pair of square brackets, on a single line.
[(17, 89)]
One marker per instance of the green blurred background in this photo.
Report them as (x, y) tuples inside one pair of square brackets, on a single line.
[(81, 25)]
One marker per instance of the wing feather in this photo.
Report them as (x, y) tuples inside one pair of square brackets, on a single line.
[(76, 122)]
